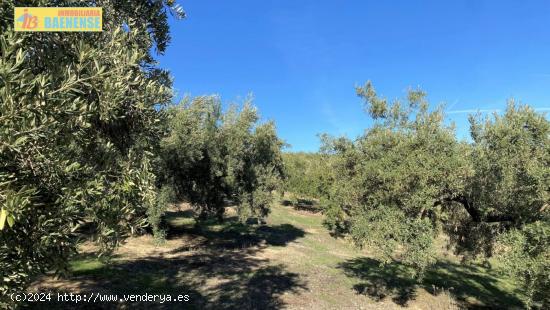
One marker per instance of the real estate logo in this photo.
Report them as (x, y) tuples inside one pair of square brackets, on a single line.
[(58, 19), (27, 20)]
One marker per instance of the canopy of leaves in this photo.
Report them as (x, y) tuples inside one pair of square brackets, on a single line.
[(407, 178), (307, 175), (212, 158), (508, 195)]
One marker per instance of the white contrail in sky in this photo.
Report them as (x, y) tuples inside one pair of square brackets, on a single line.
[(489, 110), (473, 111)]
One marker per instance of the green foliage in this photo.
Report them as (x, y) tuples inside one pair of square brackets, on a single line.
[(164, 198), (307, 175), (78, 125), (510, 160), (525, 254), (407, 179), (211, 158), (510, 188), (388, 181)]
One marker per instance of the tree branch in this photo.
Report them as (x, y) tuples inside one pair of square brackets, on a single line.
[(477, 216)]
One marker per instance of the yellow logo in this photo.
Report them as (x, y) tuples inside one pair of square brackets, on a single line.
[(58, 19)]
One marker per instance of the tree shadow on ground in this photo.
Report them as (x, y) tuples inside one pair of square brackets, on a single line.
[(463, 282), (233, 234), (302, 204), (222, 271)]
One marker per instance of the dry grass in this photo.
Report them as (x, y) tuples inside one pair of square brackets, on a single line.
[(292, 262)]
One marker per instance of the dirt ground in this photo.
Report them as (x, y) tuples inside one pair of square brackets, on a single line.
[(290, 263)]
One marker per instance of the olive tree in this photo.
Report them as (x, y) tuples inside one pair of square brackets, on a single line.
[(407, 179), (508, 195), (211, 157)]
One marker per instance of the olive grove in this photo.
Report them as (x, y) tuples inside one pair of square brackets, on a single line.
[(92, 147)]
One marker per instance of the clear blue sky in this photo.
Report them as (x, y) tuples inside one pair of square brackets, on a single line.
[(302, 58)]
